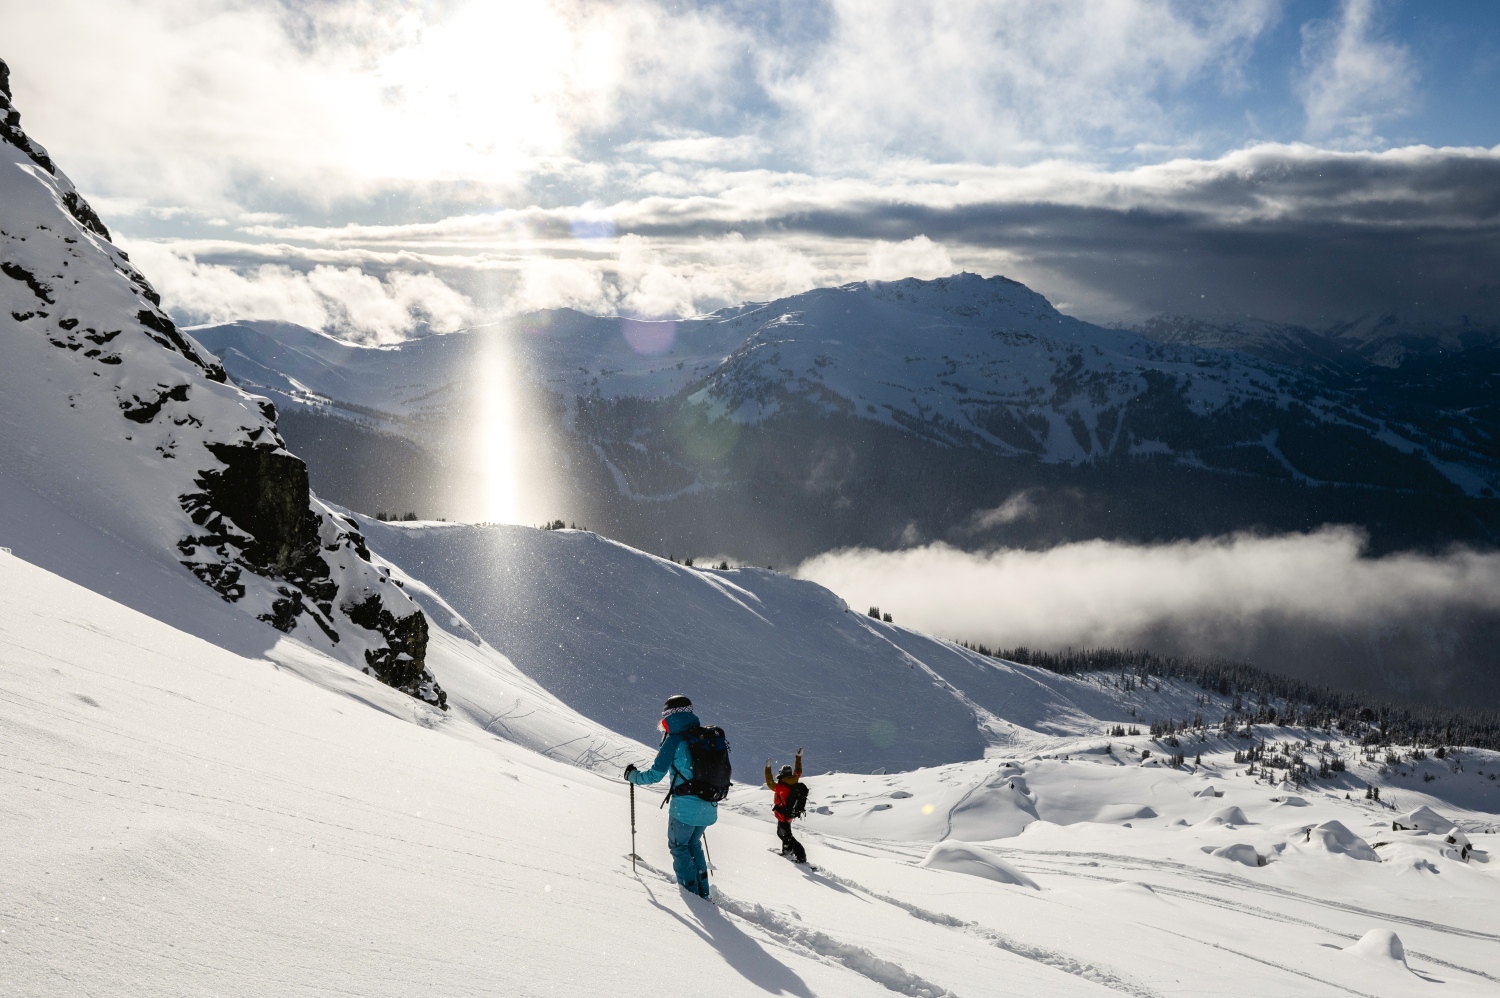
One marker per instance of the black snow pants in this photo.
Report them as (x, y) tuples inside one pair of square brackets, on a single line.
[(789, 843)]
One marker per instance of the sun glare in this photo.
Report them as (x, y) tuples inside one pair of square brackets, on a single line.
[(484, 90), (497, 430)]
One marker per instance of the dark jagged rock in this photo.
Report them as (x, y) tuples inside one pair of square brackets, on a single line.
[(398, 664), (158, 321), (16, 272), (263, 489), (140, 411), (84, 212), (256, 512)]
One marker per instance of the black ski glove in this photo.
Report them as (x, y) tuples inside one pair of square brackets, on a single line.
[(629, 769)]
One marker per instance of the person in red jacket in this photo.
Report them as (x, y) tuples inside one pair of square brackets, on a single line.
[(781, 787)]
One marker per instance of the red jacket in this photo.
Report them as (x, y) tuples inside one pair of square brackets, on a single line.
[(782, 790)]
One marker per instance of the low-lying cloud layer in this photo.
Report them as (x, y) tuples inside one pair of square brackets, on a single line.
[(1309, 604), (345, 301)]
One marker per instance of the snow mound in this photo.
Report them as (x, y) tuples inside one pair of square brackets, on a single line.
[(1292, 802), (961, 857), (1133, 888), (1000, 809), (1380, 946), (1230, 815), (1209, 791), (1334, 837), (1423, 819), (1240, 853), (1124, 812)]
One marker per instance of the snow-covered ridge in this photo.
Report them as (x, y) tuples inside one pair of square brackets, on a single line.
[(964, 360), (778, 661), (111, 416)]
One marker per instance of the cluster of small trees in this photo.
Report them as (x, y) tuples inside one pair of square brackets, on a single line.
[(1299, 762), (875, 612), (1268, 698), (392, 517)]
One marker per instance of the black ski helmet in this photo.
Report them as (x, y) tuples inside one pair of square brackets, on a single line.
[(678, 702)]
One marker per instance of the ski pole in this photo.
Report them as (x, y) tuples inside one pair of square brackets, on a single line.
[(706, 854), (632, 828)]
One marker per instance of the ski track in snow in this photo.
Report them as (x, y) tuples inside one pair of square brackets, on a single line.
[(1279, 966), (1240, 884), (1037, 862), (820, 945), (1036, 865), (1058, 961)]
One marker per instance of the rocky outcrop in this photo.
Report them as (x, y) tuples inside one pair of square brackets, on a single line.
[(173, 455)]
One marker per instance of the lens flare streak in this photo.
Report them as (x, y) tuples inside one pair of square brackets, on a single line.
[(497, 431)]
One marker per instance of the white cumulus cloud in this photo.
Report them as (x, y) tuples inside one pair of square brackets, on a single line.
[(915, 257), (342, 300), (1354, 79)]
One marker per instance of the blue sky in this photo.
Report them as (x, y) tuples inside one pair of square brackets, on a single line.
[(386, 168)]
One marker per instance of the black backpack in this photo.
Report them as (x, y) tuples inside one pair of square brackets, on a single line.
[(796, 801), (709, 750)]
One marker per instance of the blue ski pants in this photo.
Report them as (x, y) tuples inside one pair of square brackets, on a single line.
[(688, 861)]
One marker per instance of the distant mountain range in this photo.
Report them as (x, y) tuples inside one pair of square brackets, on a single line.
[(1379, 340), (964, 409)]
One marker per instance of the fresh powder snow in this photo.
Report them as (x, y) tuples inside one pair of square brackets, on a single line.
[(182, 819)]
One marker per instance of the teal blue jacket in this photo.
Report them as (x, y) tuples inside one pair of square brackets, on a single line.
[(674, 757)]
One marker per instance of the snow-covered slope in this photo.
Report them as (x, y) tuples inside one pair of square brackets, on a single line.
[(114, 420), (965, 358), (778, 661), (184, 820)]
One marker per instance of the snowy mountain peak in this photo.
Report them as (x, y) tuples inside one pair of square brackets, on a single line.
[(962, 294), (115, 418)]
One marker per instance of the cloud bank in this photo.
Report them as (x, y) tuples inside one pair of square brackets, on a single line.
[(1304, 603), (1123, 157), (1291, 233), (346, 301)]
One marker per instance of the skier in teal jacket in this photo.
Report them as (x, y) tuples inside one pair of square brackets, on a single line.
[(688, 816)]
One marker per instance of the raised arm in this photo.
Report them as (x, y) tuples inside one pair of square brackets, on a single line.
[(797, 766), (770, 783)]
